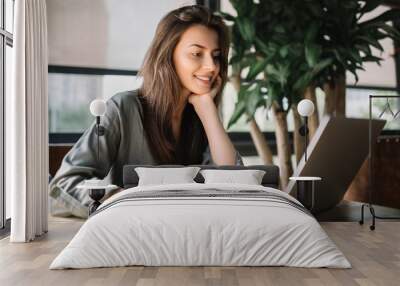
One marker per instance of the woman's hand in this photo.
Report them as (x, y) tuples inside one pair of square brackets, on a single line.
[(198, 100), (221, 147)]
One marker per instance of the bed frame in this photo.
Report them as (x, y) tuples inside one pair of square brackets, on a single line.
[(131, 178)]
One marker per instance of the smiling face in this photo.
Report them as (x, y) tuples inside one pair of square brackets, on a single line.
[(197, 59)]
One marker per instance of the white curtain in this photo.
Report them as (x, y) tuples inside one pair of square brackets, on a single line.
[(26, 127)]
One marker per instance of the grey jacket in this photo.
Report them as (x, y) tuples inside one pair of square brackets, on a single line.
[(123, 143)]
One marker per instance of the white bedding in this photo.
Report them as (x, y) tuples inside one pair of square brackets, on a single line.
[(182, 231)]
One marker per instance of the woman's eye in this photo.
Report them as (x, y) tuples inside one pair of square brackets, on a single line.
[(196, 54)]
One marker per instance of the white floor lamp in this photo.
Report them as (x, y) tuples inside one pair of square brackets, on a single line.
[(305, 109)]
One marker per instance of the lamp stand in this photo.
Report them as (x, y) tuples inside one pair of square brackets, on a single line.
[(97, 194), (304, 132), (100, 130)]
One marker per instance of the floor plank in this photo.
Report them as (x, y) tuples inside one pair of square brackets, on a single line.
[(375, 256)]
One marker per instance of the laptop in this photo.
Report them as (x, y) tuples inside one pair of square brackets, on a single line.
[(335, 153)]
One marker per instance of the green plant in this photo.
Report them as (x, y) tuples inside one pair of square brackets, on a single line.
[(279, 48), (268, 42), (296, 43), (348, 41)]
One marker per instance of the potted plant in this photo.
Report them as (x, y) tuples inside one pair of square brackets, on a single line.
[(283, 49)]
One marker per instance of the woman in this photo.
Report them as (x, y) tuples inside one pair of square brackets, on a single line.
[(170, 120)]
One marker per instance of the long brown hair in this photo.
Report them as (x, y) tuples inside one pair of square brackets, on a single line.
[(161, 87)]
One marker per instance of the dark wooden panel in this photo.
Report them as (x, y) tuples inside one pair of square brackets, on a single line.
[(56, 154), (386, 176)]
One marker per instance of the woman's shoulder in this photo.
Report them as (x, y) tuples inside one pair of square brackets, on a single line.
[(123, 97), (127, 101)]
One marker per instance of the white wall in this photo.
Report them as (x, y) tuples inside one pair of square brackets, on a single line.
[(103, 33)]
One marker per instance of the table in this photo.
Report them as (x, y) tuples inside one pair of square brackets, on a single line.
[(96, 193), (305, 190)]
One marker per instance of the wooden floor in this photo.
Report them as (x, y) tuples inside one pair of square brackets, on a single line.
[(375, 257)]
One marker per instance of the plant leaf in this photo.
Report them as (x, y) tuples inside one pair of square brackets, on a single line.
[(227, 16), (247, 30), (312, 53), (284, 51), (240, 108), (256, 68), (370, 5), (252, 101), (372, 59), (389, 15), (370, 40), (394, 33)]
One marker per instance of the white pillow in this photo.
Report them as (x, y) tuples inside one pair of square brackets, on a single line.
[(162, 176), (248, 177)]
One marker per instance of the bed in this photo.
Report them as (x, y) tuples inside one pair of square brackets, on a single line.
[(199, 224)]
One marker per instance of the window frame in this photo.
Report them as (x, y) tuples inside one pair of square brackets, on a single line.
[(6, 39), (396, 24)]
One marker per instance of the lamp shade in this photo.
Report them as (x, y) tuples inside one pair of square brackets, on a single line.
[(98, 107), (305, 107)]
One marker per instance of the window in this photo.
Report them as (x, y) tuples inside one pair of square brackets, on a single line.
[(6, 43), (70, 96), (8, 83), (9, 15), (358, 105)]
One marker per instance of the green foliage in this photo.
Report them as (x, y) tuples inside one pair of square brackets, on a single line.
[(347, 40), (287, 45)]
